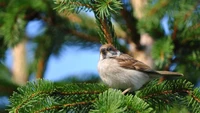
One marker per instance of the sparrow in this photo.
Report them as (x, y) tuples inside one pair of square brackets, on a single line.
[(121, 71)]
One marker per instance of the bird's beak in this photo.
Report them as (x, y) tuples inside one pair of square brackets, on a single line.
[(115, 53)]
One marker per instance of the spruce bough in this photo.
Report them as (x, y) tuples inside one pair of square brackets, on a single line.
[(46, 96)]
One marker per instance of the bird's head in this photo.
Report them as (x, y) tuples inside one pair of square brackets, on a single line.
[(108, 51)]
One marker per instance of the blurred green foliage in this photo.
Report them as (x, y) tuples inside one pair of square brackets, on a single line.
[(179, 48)]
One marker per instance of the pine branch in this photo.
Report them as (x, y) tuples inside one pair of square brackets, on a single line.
[(113, 101), (73, 5), (163, 95), (103, 10), (41, 96), (105, 28), (27, 94), (194, 100), (166, 87), (79, 89), (63, 106)]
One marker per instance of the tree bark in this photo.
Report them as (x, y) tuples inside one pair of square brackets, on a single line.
[(19, 68)]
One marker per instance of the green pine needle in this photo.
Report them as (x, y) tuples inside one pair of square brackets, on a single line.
[(113, 101), (166, 94), (104, 8), (72, 6), (45, 96), (194, 101), (29, 95)]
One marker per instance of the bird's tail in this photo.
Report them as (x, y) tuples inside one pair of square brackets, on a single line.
[(169, 73)]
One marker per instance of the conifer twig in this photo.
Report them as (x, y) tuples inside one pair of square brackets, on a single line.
[(105, 30), (65, 105), (30, 97), (197, 99), (79, 93), (77, 3), (193, 96), (80, 4), (172, 92), (166, 92)]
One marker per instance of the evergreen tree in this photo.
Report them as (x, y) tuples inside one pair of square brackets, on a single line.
[(115, 23)]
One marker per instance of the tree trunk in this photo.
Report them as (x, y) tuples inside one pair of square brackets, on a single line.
[(145, 39), (19, 63)]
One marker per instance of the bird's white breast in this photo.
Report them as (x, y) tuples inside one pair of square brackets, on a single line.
[(117, 77)]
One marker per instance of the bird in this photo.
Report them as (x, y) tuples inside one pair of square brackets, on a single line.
[(122, 71)]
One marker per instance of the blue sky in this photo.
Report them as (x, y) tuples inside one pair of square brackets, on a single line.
[(72, 61)]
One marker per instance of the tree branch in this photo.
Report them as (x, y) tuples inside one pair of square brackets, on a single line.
[(105, 30), (30, 97), (65, 105), (84, 36)]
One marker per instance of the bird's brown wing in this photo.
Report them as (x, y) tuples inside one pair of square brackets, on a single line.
[(129, 62)]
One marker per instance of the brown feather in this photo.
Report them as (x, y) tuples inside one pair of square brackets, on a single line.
[(129, 62), (168, 73)]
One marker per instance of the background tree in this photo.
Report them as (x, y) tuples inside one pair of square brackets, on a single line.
[(170, 51)]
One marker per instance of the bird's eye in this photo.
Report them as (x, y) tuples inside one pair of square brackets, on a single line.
[(103, 51), (109, 49)]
